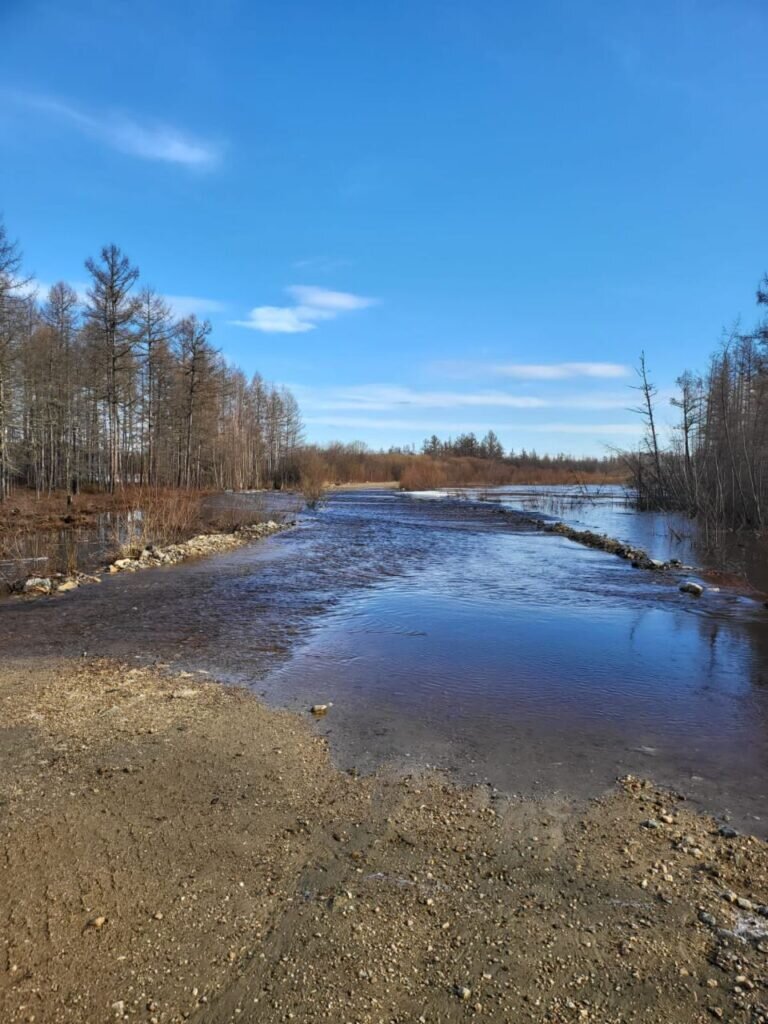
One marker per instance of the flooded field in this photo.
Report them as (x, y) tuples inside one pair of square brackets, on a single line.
[(447, 630), (89, 545)]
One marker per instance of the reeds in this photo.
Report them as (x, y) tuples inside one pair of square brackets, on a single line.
[(424, 472)]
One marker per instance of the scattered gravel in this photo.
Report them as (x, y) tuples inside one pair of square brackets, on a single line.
[(172, 859)]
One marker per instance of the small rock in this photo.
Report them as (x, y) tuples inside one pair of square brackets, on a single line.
[(37, 585), (651, 823), (318, 710), (97, 922), (463, 992), (689, 587), (727, 832)]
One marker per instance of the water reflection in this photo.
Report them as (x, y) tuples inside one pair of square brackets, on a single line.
[(447, 633), (610, 509)]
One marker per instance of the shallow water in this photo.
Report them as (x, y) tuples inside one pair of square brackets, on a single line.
[(610, 509), (450, 632)]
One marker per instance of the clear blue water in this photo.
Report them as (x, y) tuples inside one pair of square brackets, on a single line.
[(449, 632)]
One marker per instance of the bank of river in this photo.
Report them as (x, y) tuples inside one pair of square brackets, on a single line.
[(452, 633), (175, 851)]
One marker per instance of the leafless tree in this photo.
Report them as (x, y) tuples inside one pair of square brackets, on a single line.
[(718, 468), (115, 391)]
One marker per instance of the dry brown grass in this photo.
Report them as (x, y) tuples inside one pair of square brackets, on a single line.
[(160, 516), (426, 473), (313, 478)]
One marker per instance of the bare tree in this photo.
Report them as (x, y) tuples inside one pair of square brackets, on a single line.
[(117, 391), (155, 329), (719, 468), (11, 283), (110, 312)]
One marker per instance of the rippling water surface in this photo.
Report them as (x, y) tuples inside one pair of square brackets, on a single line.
[(448, 631)]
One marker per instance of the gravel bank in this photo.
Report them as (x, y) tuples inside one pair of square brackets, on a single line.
[(173, 850)]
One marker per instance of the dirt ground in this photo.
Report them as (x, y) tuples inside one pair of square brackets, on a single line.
[(175, 851)]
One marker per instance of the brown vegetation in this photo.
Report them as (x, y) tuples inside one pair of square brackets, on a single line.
[(313, 477), (341, 464), (425, 473), (53, 533)]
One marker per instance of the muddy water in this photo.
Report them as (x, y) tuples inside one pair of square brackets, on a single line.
[(449, 632)]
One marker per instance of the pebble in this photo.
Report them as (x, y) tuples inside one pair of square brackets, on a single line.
[(689, 587)]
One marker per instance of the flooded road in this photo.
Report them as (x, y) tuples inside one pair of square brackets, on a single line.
[(448, 631)]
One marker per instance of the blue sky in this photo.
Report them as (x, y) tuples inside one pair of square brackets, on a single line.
[(419, 215)]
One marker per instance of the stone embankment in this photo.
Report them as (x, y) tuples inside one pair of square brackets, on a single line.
[(150, 557), (640, 559)]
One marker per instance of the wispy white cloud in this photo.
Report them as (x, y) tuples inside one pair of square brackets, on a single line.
[(559, 371), (322, 264), (311, 306), (39, 289), (533, 371), (627, 429), (276, 320), (148, 140), (186, 305), (180, 305), (383, 398), (453, 427)]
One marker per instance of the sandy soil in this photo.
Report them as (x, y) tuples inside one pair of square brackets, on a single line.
[(173, 850)]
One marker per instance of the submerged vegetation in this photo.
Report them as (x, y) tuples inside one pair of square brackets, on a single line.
[(716, 467)]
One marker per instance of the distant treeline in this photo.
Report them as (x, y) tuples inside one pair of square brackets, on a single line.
[(717, 464), (111, 388), (444, 464)]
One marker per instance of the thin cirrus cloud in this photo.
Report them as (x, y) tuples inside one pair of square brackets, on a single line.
[(147, 140), (445, 428), (310, 307), (534, 371), (382, 398), (188, 305), (180, 305)]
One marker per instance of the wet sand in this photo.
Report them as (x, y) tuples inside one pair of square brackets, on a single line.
[(174, 850)]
